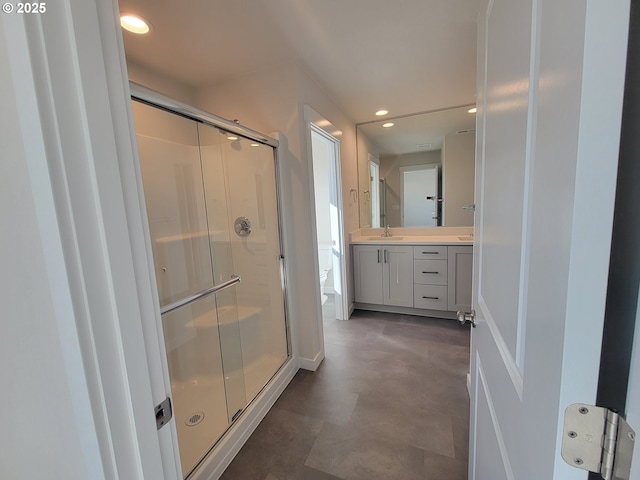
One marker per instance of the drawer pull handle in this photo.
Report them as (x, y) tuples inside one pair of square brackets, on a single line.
[(432, 273), (432, 298), (430, 253)]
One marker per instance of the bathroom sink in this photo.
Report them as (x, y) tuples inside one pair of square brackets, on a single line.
[(385, 238), (466, 238)]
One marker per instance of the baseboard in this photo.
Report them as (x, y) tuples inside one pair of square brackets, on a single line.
[(352, 308), (228, 447), (421, 312), (311, 365)]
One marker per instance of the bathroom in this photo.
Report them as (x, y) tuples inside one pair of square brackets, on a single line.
[(113, 366), (326, 173)]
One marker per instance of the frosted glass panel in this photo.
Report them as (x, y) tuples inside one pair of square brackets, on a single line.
[(172, 179), (191, 336), (240, 182)]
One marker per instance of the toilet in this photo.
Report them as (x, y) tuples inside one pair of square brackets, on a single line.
[(325, 261)]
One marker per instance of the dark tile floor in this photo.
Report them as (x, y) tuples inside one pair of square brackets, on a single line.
[(389, 402)]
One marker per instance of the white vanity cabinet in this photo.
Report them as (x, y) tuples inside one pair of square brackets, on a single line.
[(383, 274), (420, 279), (460, 268)]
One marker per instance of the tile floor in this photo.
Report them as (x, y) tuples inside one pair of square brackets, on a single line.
[(389, 402)]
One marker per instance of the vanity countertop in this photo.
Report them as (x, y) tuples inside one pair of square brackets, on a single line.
[(413, 240)]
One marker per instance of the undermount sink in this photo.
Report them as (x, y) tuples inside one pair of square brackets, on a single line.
[(385, 238), (466, 238)]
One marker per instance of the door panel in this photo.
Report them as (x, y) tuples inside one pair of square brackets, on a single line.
[(367, 269), (506, 130), (398, 276), (539, 281), (492, 447)]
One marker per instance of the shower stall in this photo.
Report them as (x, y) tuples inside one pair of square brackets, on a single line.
[(210, 189)]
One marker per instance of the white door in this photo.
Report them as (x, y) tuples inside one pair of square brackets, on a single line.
[(418, 196), (550, 80)]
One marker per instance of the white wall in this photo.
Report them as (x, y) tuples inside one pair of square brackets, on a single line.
[(273, 100), (159, 83), (458, 171)]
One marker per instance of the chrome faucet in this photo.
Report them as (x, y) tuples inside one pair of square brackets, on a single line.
[(387, 232)]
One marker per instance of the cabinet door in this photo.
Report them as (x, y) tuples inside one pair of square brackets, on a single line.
[(460, 274), (398, 275), (367, 273)]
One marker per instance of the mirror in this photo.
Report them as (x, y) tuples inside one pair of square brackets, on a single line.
[(418, 172)]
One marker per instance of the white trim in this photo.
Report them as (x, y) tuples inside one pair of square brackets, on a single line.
[(311, 364), (223, 454), (77, 61)]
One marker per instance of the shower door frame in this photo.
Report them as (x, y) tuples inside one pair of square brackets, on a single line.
[(226, 447)]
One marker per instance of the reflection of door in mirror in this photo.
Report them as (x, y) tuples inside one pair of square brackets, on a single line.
[(374, 176), (419, 195)]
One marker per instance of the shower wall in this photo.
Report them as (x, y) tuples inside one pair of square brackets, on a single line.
[(224, 347)]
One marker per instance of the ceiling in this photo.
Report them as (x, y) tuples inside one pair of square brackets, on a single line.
[(405, 56)]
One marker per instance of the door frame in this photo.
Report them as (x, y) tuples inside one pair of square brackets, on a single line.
[(313, 121), (74, 56)]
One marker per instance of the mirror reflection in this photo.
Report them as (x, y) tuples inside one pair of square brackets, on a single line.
[(418, 172)]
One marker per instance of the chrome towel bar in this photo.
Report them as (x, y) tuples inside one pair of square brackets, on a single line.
[(185, 301)]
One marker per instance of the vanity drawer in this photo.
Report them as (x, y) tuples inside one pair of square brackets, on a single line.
[(430, 252), (433, 297), (430, 272)]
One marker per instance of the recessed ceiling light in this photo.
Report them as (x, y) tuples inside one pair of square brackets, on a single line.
[(388, 124), (232, 137), (134, 24), (423, 145), (472, 110), (255, 144), (382, 112)]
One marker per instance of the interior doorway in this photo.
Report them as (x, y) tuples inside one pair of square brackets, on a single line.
[(419, 195), (328, 211), (325, 170)]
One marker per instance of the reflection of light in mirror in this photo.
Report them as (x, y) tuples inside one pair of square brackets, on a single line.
[(232, 137), (472, 110), (388, 124), (255, 144), (382, 112)]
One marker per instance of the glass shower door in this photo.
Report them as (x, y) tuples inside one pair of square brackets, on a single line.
[(241, 200), (204, 355)]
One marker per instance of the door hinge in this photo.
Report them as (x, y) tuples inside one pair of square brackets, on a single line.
[(163, 413), (598, 440)]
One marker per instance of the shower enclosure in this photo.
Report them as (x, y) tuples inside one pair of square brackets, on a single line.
[(211, 198)]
